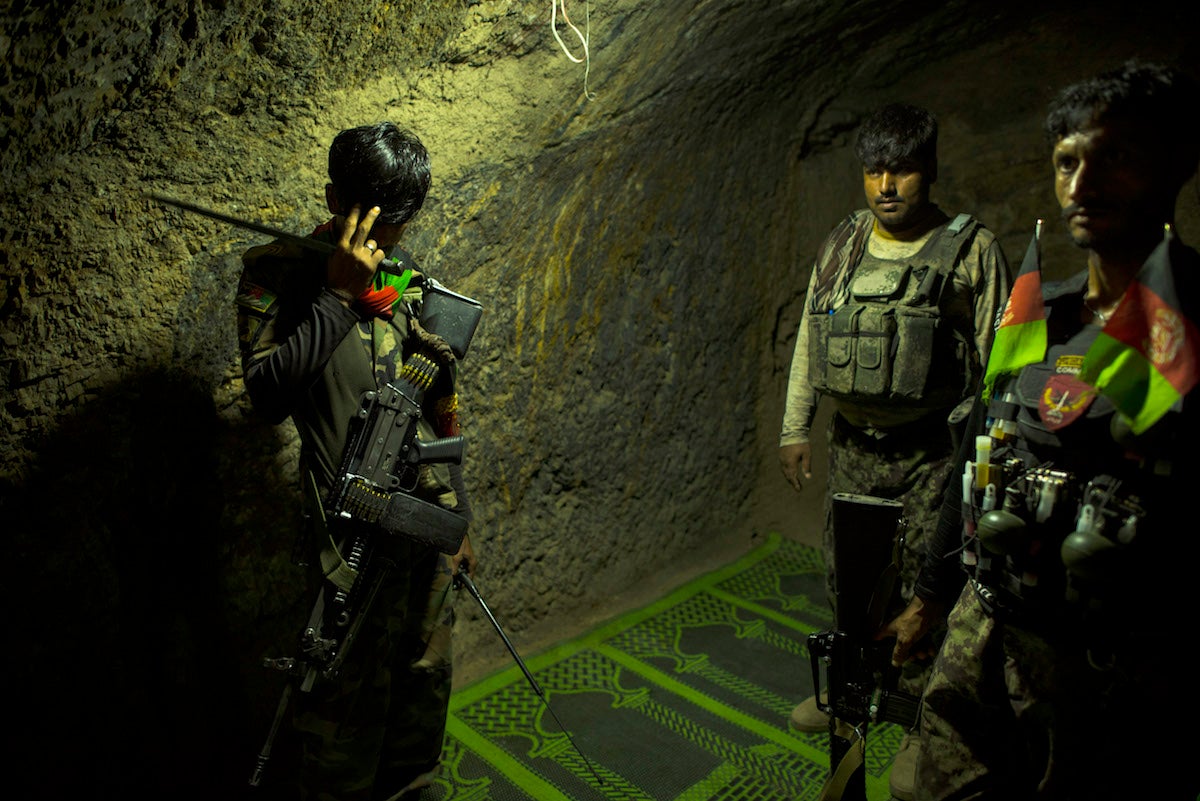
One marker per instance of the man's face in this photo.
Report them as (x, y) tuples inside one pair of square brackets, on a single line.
[(898, 194), (1107, 179)]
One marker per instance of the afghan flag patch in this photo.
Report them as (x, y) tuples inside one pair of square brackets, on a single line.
[(254, 298), (1145, 358)]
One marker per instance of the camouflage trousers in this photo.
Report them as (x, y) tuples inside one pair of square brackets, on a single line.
[(1012, 714), (381, 722), (910, 465)]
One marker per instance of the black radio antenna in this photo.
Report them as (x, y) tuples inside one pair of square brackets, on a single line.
[(461, 578)]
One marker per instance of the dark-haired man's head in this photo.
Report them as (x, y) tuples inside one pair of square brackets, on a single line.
[(1122, 150), (899, 133), (897, 146), (379, 165)]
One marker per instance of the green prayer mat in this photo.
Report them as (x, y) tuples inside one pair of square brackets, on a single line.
[(686, 699)]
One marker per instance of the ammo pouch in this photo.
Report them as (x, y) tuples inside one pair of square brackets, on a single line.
[(871, 350), (884, 343)]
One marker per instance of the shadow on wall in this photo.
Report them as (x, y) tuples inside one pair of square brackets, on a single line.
[(137, 651)]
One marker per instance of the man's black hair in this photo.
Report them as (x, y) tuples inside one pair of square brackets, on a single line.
[(380, 165), (898, 133), (1157, 96)]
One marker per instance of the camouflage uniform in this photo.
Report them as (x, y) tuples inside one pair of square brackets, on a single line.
[(379, 725), (890, 448), (382, 723), (910, 465), (1054, 684), (1014, 713)]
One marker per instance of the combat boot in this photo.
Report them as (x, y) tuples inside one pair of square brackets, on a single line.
[(904, 768), (808, 717)]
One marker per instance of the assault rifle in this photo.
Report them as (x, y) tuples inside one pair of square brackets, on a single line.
[(868, 537)]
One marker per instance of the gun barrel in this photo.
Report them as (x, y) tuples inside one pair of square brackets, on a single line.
[(301, 241)]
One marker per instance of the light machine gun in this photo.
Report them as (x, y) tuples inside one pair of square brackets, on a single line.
[(373, 493), (374, 490), (371, 499), (868, 536)]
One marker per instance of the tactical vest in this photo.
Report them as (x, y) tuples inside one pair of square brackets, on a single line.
[(889, 342), (1047, 537)]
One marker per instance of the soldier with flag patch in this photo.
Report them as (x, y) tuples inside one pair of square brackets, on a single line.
[(325, 326), (1064, 645)]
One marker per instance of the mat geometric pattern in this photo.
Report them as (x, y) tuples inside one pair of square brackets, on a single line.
[(686, 699)]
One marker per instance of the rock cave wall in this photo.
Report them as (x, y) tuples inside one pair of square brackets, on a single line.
[(638, 227)]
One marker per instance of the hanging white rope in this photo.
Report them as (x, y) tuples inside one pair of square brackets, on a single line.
[(586, 58)]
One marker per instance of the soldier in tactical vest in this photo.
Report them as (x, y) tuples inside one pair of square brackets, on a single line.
[(897, 324), (319, 332), (1071, 537)]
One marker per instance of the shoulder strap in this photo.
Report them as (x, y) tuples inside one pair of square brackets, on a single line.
[(959, 223), (852, 760), (944, 251), (954, 240), (843, 245)]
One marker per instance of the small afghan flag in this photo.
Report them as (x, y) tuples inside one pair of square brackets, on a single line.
[(1020, 337), (381, 298), (1145, 358)]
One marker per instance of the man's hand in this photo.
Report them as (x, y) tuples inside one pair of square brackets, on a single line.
[(351, 268), (794, 460), (909, 628), (464, 559)]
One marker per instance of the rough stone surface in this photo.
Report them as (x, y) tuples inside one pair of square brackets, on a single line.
[(638, 226)]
